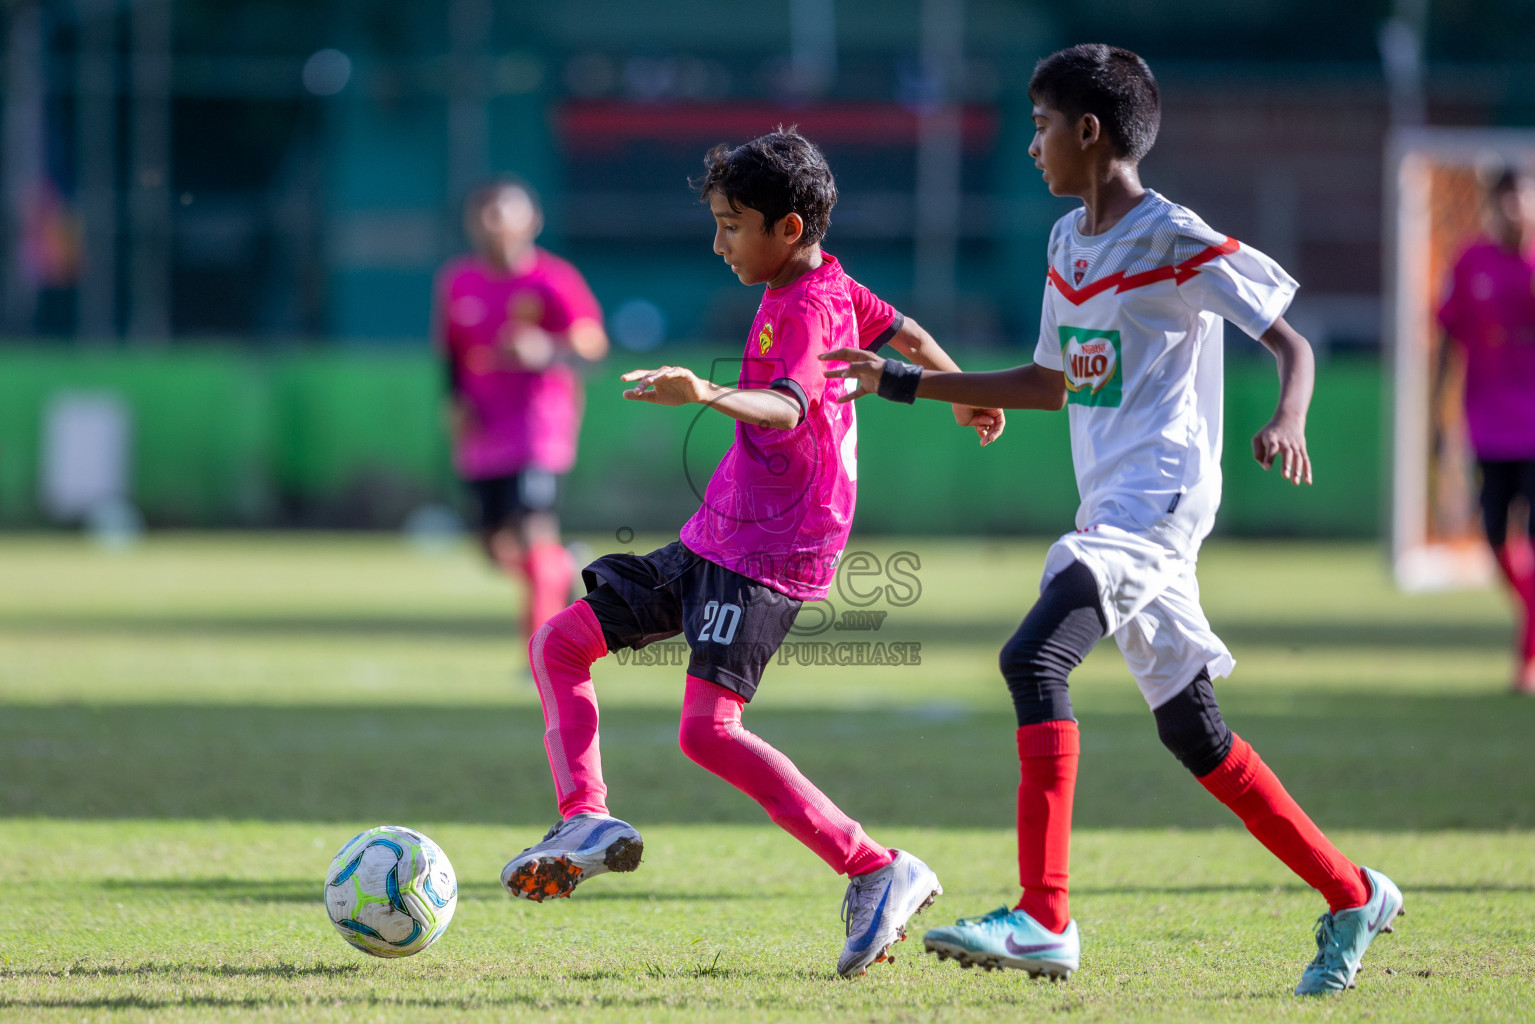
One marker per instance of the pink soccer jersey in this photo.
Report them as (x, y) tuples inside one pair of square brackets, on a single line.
[(516, 418), (779, 507), (1490, 314)]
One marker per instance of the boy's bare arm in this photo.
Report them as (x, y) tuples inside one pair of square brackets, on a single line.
[(677, 385), (1021, 387), (588, 340), (920, 347), (537, 349), (1284, 436)]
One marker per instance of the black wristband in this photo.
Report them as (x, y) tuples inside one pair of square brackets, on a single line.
[(898, 381)]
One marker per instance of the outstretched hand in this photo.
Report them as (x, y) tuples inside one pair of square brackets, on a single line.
[(866, 368), (668, 385), (1284, 438), (862, 365)]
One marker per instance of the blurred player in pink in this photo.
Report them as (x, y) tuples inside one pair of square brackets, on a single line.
[(774, 520), (512, 321), (1130, 342), (1489, 319)]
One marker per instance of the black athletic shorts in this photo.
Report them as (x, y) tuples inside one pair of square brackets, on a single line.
[(1502, 482), (504, 500), (732, 623)]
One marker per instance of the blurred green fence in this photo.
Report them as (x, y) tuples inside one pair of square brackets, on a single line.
[(354, 438)]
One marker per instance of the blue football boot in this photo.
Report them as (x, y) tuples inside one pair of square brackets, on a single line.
[(1342, 938)]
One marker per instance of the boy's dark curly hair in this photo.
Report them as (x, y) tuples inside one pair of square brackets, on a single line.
[(776, 174), (1108, 82)]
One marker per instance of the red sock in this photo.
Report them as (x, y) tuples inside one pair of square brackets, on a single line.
[(1048, 754), (548, 568), (1518, 564), (1252, 790)]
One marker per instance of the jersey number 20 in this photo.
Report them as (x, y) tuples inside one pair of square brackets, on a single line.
[(722, 619)]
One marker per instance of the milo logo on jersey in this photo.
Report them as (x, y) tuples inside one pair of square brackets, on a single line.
[(1092, 365)]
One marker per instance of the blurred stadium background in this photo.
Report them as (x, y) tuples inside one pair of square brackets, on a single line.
[(221, 222), (219, 225)]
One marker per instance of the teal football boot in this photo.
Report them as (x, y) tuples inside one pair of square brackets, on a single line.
[(1342, 938), (1008, 938)]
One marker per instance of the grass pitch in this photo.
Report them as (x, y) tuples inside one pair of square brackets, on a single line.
[(188, 731)]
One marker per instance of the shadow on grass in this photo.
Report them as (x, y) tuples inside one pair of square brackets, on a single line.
[(299, 891), (86, 971), (295, 891), (1407, 885), (1353, 760), (1304, 634), (553, 1000)]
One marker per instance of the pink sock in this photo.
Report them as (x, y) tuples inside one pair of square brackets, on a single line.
[(712, 736), (548, 569), (561, 653), (1518, 564)]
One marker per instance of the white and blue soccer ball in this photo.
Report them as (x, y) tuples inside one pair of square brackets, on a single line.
[(390, 891)]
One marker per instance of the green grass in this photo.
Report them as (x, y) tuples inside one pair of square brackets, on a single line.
[(188, 731)]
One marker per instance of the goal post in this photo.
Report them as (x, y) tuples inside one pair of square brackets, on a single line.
[(1435, 183)]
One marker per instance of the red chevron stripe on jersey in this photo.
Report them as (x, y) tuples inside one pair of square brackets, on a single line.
[(1177, 273)]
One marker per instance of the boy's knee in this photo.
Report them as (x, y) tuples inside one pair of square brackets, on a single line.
[(558, 631), (700, 738), (546, 638), (1059, 631), (571, 638), (1190, 725), (1019, 656), (1037, 678)]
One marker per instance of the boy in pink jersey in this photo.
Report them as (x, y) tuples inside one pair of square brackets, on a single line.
[(1130, 343), (1489, 318), (774, 520), (511, 321)]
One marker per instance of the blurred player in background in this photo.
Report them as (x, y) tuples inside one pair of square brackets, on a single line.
[(1130, 341), (512, 321), (774, 521), (1488, 317)]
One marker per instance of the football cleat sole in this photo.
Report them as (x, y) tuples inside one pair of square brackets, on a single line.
[(992, 962), (556, 876), (887, 957), (623, 855)]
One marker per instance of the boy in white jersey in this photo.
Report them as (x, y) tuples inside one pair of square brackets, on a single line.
[(1130, 342)]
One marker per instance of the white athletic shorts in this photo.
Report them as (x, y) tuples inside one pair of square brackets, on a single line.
[(1150, 599)]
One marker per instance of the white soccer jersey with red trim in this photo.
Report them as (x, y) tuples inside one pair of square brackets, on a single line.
[(1132, 316)]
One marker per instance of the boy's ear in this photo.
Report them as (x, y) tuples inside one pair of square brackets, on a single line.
[(1089, 129), (791, 227)]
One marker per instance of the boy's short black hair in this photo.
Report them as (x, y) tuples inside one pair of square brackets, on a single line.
[(1108, 82), (776, 174)]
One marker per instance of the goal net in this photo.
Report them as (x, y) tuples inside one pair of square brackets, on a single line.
[(1436, 179)]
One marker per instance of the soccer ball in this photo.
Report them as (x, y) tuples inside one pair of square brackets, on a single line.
[(390, 891)]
